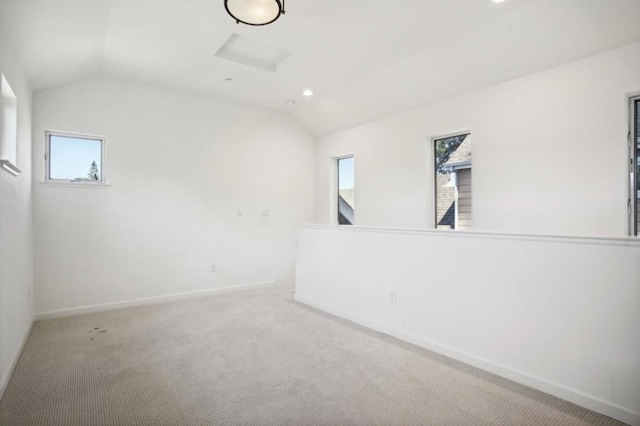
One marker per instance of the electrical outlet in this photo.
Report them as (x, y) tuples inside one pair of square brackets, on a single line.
[(214, 268), (29, 292), (393, 296)]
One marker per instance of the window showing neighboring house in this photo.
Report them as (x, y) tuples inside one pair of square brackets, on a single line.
[(634, 167), (346, 198), (74, 158), (452, 165)]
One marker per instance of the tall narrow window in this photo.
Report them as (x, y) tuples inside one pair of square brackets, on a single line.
[(8, 127), (634, 167), (452, 165), (346, 197)]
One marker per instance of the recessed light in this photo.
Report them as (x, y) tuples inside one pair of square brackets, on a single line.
[(290, 102), (308, 92), (498, 1)]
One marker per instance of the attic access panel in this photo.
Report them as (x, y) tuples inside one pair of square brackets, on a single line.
[(252, 53)]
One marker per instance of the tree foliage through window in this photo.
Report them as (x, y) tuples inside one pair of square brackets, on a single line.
[(443, 150), (94, 173)]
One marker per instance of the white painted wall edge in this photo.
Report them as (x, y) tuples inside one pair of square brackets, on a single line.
[(561, 392), (633, 241), (151, 300), (5, 380)]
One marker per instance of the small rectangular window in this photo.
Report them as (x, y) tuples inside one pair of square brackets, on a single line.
[(452, 165), (634, 167), (74, 158), (346, 196)]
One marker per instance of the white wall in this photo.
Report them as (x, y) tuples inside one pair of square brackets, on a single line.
[(549, 153), (558, 314), (180, 167), (16, 237), (550, 157)]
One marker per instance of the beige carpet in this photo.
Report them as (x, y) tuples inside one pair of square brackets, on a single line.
[(253, 358)]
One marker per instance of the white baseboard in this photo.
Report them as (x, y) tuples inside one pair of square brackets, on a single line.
[(571, 395), (150, 300), (14, 361)]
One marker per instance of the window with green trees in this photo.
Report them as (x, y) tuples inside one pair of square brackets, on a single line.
[(452, 181), (74, 158)]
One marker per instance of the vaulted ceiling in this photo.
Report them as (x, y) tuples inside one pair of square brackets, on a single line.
[(364, 59)]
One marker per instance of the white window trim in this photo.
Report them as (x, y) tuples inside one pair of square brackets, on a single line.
[(64, 182), (455, 199), (631, 161)]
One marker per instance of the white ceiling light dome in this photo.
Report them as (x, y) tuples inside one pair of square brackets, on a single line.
[(255, 12)]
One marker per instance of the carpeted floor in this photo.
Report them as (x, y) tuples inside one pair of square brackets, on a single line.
[(253, 358)]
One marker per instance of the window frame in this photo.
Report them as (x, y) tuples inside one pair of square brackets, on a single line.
[(8, 127), (47, 158), (633, 154), (337, 187), (434, 174)]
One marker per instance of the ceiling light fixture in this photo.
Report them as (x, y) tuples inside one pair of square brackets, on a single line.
[(254, 12), (308, 92)]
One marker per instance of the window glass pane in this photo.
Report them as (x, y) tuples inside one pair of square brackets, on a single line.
[(75, 159), (346, 198), (453, 182)]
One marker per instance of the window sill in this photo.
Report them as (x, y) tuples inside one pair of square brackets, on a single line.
[(75, 185), (10, 167)]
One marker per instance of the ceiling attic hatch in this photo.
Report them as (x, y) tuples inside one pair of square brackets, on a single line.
[(251, 53)]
